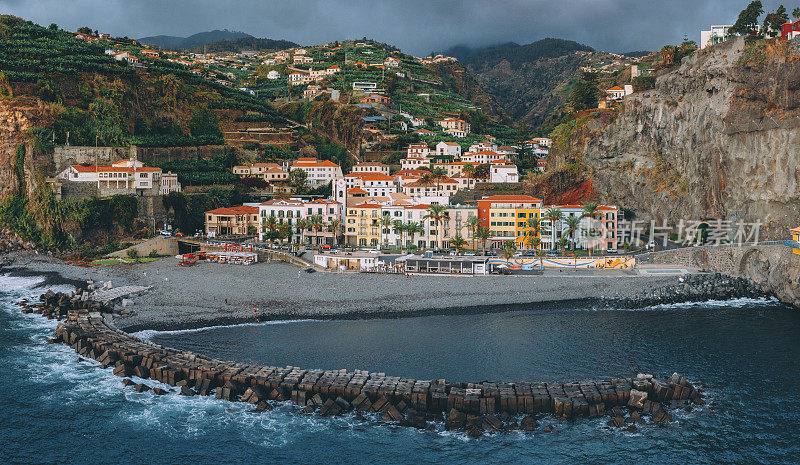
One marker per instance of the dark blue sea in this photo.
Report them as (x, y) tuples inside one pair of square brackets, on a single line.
[(744, 354)]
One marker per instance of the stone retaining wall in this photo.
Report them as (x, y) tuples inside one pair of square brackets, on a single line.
[(474, 407)]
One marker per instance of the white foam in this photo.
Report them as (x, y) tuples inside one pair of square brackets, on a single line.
[(18, 283), (148, 334), (734, 303)]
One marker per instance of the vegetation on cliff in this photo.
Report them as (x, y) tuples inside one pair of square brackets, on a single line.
[(99, 100)]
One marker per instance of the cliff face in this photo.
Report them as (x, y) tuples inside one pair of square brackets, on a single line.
[(17, 116), (718, 137)]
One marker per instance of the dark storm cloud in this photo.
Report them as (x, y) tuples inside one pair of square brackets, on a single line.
[(416, 26)]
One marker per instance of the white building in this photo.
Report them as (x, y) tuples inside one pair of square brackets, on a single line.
[(451, 149), (371, 167), (123, 176), (715, 35), (375, 184), (285, 211), (414, 163), (273, 75), (484, 156), (456, 132), (503, 173), (419, 150), (318, 172)]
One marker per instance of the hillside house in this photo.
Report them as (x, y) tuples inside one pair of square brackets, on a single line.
[(454, 124), (318, 172), (242, 220), (448, 149)]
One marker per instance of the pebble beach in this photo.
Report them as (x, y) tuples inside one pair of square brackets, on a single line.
[(212, 294)]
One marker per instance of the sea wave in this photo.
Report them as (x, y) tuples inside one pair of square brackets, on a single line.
[(148, 334)]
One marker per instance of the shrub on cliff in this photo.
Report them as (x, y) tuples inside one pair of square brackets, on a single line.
[(5, 87)]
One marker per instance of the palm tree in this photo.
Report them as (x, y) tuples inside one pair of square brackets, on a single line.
[(540, 255), (535, 227), (302, 225), (483, 234), (386, 222), (590, 211), (508, 250), (563, 242), (271, 224), (458, 242), (413, 228), (426, 179), (573, 223), (473, 223), (438, 174), (468, 170), (316, 223), (437, 213), (335, 227), (554, 215), (532, 241), (399, 228)]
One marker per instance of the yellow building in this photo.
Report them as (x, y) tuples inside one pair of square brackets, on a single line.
[(523, 230), (796, 238), (499, 213), (362, 225)]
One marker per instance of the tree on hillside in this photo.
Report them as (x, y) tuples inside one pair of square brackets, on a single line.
[(748, 19), (297, 179), (106, 122), (585, 94), (204, 123), (796, 13), (482, 172), (5, 87), (85, 30), (774, 21)]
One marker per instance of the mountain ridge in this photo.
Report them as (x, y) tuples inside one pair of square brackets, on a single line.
[(526, 81), (193, 41)]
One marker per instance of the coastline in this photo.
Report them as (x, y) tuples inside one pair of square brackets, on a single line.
[(214, 295)]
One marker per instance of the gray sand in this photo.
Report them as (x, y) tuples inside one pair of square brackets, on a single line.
[(212, 294)]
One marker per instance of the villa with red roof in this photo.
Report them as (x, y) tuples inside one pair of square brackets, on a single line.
[(128, 176), (241, 220), (318, 172)]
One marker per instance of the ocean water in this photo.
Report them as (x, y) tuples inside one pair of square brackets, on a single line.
[(744, 354)]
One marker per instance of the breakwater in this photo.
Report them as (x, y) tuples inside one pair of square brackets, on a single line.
[(473, 407)]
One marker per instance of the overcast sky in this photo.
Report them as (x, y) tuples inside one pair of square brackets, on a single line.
[(416, 26)]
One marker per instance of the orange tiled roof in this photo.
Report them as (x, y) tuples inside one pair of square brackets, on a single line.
[(366, 205), (240, 210), (510, 198), (116, 169), (309, 164)]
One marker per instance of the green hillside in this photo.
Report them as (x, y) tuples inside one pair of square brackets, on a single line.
[(99, 99)]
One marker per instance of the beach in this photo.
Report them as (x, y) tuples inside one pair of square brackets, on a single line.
[(212, 294)]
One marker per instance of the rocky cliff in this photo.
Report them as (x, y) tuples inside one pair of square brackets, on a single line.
[(17, 116), (718, 137)]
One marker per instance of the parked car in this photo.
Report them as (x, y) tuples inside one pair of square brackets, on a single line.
[(165, 233)]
